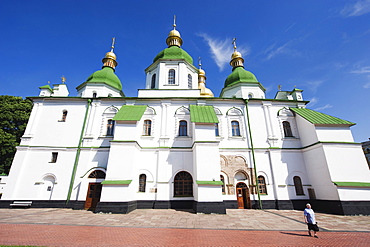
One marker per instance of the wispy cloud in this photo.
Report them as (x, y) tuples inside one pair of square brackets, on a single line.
[(271, 51), (313, 101), (367, 85), (313, 85), (221, 50), (363, 70), (359, 8), (323, 107)]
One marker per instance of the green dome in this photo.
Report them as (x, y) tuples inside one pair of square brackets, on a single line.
[(239, 74), (174, 52), (107, 76)]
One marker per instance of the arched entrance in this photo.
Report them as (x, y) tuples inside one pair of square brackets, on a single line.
[(94, 190), (242, 195)]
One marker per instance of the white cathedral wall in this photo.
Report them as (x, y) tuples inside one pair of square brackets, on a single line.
[(334, 134)]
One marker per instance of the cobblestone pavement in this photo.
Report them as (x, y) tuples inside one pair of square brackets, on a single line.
[(152, 227)]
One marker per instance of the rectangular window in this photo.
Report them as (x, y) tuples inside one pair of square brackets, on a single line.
[(217, 133), (54, 157)]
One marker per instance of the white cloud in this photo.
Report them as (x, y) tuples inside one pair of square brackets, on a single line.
[(362, 70), (359, 8), (313, 85), (280, 50), (367, 85), (323, 107), (313, 101), (221, 50)]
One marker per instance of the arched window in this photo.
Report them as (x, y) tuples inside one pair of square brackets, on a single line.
[(298, 186), (262, 185), (152, 85), (147, 128), (97, 174), (171, 77), (110, 127), (142, 182), (217, 133), (223, 184), (183, 184), (287, 129), (94, 95), (190, 81), (64, 116), (235, 130), (183, 128)]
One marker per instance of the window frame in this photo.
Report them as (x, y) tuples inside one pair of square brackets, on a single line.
[(183, 128), (171, 77), (110, 127), (235, 129), (54, 157), (153, 81), (298, 186), (287, 128), (142, 183), (147, 127), (262, 188), (183, 187), (190, 81)]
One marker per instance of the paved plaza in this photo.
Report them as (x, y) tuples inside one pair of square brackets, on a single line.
[(155, 227)]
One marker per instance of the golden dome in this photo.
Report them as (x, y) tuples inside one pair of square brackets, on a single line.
[(110, 55), (174, 32), (201, 72), (236, 54)]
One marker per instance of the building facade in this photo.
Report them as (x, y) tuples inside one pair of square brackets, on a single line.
[(175, 145)]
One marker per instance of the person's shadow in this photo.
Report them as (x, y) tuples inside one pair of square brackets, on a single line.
[(295, 234)]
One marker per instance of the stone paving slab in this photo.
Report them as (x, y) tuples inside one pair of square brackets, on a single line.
[(236, 219), (62, 235)]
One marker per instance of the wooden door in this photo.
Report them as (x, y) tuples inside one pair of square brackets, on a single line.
[(93, 196), (242, 194), (239, 195)]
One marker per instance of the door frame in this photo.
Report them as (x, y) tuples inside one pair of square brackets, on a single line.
[(243, 196)]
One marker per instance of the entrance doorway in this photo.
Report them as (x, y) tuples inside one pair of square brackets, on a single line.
[(242, 195), (93, 196)]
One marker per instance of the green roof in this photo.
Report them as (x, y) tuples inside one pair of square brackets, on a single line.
[(352, 184), (116, 182), (315, 117), (130, 113), (238, 75), (46, 87), (202, 114), (105, 75), (174, 52)]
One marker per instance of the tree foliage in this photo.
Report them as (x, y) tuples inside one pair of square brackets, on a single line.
[(14, 114)]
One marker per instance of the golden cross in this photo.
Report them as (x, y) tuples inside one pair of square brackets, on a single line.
[(199, 62), (234, 43), (279, 87), (113, 42), (174, 22)]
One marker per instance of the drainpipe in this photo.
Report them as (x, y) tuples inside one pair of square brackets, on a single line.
[(253, 158), (78, 153)]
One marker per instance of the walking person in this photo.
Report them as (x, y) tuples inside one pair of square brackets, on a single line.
[(309, 218)]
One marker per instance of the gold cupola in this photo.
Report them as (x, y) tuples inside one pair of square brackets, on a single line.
[(236, 58), (110, 58), (204, 92), (174, 37)]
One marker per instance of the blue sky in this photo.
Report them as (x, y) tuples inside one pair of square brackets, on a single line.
[(322, 47)]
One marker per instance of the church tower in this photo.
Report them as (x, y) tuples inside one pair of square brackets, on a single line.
[(104, 82), (241, 83), (172, 71)]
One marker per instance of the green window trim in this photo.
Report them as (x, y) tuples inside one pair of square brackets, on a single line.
[(202, 114), (209, 182), (130, 113), (117, 182), (352, 184)]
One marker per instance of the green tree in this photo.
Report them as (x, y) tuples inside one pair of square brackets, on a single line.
[(14, 114)]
